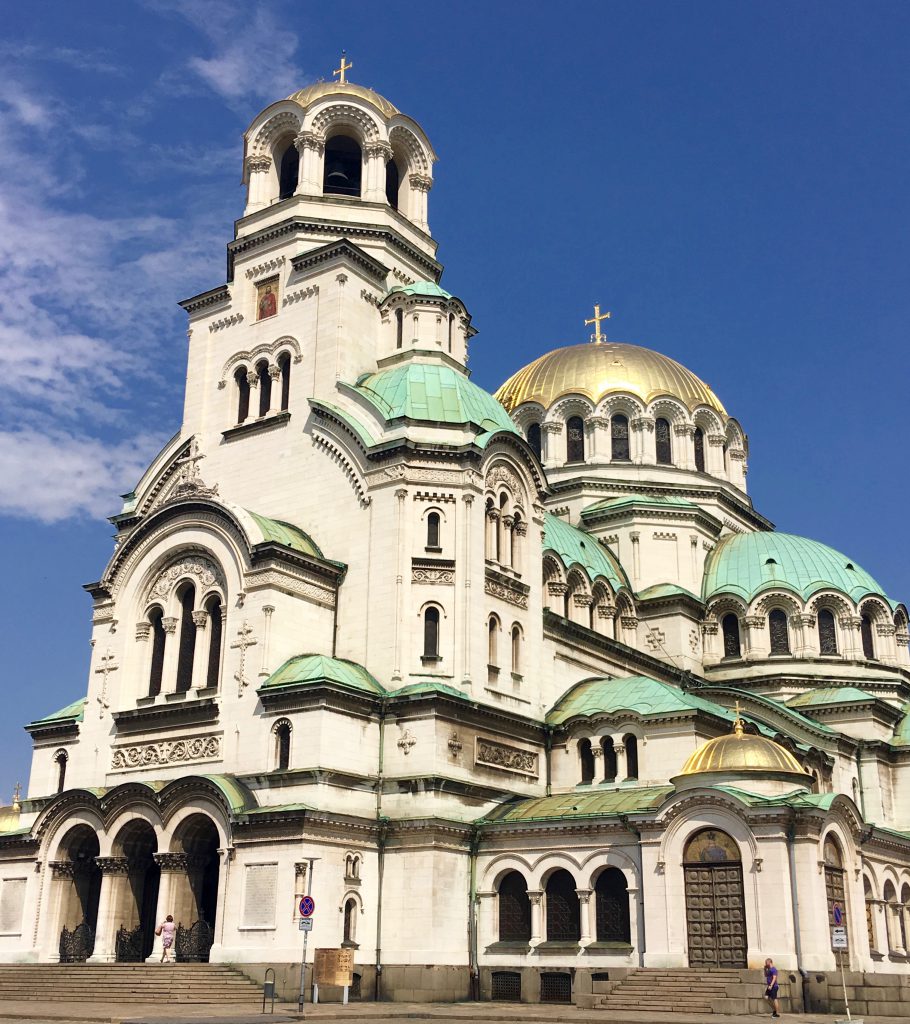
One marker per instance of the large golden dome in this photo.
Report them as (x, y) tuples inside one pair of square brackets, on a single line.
[(740, 752), (316, 92), (597, 369)]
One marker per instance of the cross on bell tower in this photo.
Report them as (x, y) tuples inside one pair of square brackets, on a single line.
[(342, 67), (598, 337)]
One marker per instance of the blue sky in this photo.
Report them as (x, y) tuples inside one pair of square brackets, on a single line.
[(728, 178)]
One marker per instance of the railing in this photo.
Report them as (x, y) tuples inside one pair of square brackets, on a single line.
[(128, 948), (77, 946), (192, 944)]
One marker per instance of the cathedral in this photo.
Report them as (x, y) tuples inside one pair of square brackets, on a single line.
[(520, 688)]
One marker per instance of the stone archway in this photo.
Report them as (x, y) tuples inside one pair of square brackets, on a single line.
[(134, 901), (190, 886), (715, 903), (78, 891)]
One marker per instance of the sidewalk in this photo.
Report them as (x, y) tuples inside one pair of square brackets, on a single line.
[(368, 1013)]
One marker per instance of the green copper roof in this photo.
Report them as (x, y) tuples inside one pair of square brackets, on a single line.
[(638, 501), (433, 393), (420, 288), (574, 546), (238, 797), (830, 695), (595, 803), (428, 686), (287, 534), (665, 590), (72, 712), (366, 438), (319, 668), (639, 694), (746, 564), (902, 729)]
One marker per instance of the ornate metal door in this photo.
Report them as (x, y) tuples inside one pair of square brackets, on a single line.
[(715, 907)]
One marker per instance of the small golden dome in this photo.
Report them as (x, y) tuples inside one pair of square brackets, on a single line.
[(9, 818), (602, 368), (740, 752), (321, 89)]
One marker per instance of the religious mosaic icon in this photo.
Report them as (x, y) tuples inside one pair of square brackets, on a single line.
[(267, 298)]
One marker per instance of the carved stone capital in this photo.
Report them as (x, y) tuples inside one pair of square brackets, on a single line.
[(557, 589), (252, 378), (716, 440), (643, 423), (508, 522), (143, 630), (171, 861), (379, 148), (582, 600), (584, 895), (274, 371), (62, 869), (534, 897), (551, 428), (309, 140), (421, 182), (258, 164), (754, 621), (684, 429), (521, 528), (113, 865), (200, 619), (169, 624)]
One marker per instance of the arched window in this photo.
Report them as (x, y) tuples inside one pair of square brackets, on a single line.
[(60, 759), (611, 895), (288, 171), (516, 650), (563, 920), (630, 742), (187, 646), (699, 449), (865, 630), (350, 922), (493, 643), (534, 440), (619, 438), (243, 394), (433, 531), (902, 914), (343, 167), (889, 896), (213, 670), (779, 632), (606, 745), (399, 328), (575, 439), (730, 628), (284, 366), (265, 387), (431, 634), (586, 760), (514, 909), (156, 616), (451, 325), (662, 442), (282, 745), (868, 898), (392, 184), (827, 634)]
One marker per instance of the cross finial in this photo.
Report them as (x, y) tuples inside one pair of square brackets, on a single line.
[(17, 792), (738, 724), (598, 336), (342, 67)]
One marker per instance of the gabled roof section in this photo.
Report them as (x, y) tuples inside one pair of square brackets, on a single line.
[(665, 590), (427, 288), (639, 694), (594, 804), (280, 532), (312, 669), (575, 547), (343, 250)]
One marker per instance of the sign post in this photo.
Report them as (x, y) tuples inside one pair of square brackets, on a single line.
[(840, 945), (307, 908)]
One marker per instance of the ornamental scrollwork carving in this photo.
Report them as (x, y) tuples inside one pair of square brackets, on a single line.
[(206, 573), (503, 475), (511, 759), (165, 752), (505, 593)]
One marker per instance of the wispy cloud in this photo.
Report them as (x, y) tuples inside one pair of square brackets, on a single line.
[(98, 61)]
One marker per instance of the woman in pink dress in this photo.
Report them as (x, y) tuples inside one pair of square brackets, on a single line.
[(166, 930)]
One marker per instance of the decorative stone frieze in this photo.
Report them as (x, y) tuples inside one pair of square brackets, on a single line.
[(266, 267), (166, 752), (206, 575), (511, 759), (113, 865), (433, 570)]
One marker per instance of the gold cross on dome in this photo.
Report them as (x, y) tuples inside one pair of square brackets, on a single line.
[(16, 794), (598, 336), (342, 68)]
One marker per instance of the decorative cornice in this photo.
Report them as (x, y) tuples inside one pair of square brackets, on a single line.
[(345, 250), (205, 300)]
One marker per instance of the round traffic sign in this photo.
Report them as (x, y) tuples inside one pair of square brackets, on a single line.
[(307, 906), (838, 914)]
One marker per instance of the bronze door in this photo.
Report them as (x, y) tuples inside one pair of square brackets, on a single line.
[(715, 915)]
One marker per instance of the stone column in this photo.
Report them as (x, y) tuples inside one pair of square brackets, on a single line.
[(605, 614), (885, 647), (710, 632), (492, 526), (114, 872), (400, 495), (173, 867), (737, 457), (59, 905), (377, 155), (252, 378), (311, 147), (258, 168), (551, 455), (585, 910), (851, 639), (519, 533), (642, 448), (506, 523), (420, 189), (684, 446), (714, 455), (757, 645), (226, 857), (805, 637), (635, 536), (580, 602), (897, 940), (275, 389), (200, 651), (557, 591), (143, 635), (268, 611), (534, 896), (171, 654), (619, 749)]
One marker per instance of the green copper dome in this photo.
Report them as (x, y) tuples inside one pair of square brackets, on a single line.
[(433, 393), (747, 564), (575, 547), (429, 288)]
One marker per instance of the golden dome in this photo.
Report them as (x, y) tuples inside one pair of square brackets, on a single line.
[(9, 818), (740, 752), (316, 92), (599, 369)]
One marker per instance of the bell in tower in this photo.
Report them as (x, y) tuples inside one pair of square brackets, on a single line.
[(343, 164)]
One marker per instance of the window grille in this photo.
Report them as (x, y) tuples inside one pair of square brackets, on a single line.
[(563, 921), (780, 633), (575, 451), (699, 449), (662, 439), (730, 627), (619, 438), (506, 986), (827, 635), (555, 987)]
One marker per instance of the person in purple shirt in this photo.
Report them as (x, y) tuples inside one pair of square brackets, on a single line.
[(771, 991)]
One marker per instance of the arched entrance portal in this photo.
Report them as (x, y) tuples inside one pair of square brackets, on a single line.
[(715, 907), (136, 897), (78, 893), (195, 895)]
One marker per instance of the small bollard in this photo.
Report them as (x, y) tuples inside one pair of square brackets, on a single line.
[(268, 990)]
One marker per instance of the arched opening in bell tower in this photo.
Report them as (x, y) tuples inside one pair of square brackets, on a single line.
[(288, 171), (343, 167), (392, 183)]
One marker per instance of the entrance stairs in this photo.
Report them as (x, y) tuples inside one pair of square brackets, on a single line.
[(707, 990), (127, 983)]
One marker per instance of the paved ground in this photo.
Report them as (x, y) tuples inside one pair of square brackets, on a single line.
[(372, 1013)]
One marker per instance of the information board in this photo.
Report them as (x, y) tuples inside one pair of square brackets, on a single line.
[(334, 967)]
